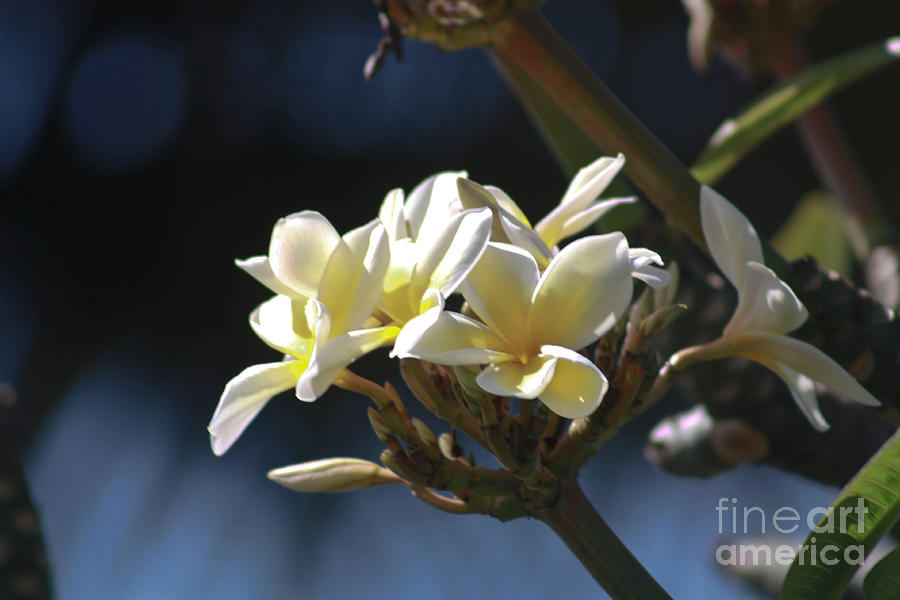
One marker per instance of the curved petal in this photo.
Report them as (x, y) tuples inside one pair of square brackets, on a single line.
[(577, 387), (448, 338), (446, 260), (580, 221), (731, 238), (499, 289), (583, 292), (281, 323), (518, 380), (391, 215), (804, 358), (245, 396), (643, 261), (803, 390), (431, 203), (352, 283), (508, 204), (332, 357), (300, 248), (259, 268), (587, 184), (765, 303), (526, 238)]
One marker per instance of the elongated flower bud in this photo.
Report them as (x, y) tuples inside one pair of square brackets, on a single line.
[(332, 475)]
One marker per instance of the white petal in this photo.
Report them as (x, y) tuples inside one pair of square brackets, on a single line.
[(335, 355), (731, 238), (391, 215), (446, 260), (765, 303), (352, 283), (245, 396), (281, 323), (448, 338), (431, 203), (300, 248), (258, 267), (525, 237), (332, 475), (580, 221), (587, 184), (508, 204), (804, 358), (643, 260), (577, 387), (803, 391), (583, 292), (499, 289), (518, 380)]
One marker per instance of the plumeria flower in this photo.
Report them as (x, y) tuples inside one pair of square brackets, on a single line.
[(327, 286), (578, 210), (767, 311), (433, 242), (532, 322)]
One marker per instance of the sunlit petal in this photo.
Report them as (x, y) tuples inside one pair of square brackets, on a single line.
[(804, 358), (260, 269), (332, 357), (643, 260), (245, 396), (430, 204), (580, 221), (765, 303), (300, 248), (499, 290), (516, 379), (448, 338), (577, 387), (583, 292), (447, 259), (507, 204), (277, 322), (731, 238), (391, 215)]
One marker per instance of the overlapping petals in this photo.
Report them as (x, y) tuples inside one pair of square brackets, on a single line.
[(328, 285), (768, 310), (532, 322)]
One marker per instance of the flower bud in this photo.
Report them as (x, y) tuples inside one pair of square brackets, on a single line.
[(332, 475)]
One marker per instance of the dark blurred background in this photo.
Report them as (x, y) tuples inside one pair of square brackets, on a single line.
[(144, 145)]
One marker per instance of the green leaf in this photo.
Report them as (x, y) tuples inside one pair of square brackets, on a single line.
[(883, 580), (736, 137), (816, 227), (853, 533)]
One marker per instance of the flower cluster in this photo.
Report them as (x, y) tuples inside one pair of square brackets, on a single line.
[(530, 307)]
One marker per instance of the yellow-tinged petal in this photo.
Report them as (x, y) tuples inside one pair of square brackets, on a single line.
[(335, 355), (431, 203), (282, 324), (446, 260), (587, 184), (731, 238), (300, 248), (765, 303), (245, 396), (519, 380), (260, 269), (448, 338), (583, 292), (577, 387), (391, 215), (332, 475), (351, 285), (806, 359), (803, 390), (507, 204), (499, 290)]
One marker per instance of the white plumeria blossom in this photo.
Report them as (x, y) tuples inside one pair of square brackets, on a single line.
[(532, 322), (767, 310), (433, 242), (578, 210), (327, 286)]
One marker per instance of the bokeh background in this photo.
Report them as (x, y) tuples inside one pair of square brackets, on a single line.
[(145, 144)]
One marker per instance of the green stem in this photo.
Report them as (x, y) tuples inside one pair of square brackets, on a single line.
[(527, 41), (598, 548)]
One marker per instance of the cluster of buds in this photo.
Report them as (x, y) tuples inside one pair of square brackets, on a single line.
[(512, 363)]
